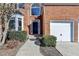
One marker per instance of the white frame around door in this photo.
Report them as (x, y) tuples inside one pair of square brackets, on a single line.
[(64, 21), (37, 20)]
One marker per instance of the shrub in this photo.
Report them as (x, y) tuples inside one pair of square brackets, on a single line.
[(18, 35), (48, 40)]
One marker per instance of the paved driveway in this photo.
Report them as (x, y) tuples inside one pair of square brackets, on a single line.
[(68, 48)]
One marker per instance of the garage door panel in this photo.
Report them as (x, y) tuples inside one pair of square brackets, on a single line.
[(61, 31)]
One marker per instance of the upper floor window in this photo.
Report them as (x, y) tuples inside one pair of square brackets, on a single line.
[(20, 5), (35, 9)]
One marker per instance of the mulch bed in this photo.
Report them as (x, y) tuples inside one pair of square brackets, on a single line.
[(10, 48), (49, 51)]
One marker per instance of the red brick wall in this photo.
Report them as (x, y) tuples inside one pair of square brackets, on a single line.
[(26, 14), (60, 13)]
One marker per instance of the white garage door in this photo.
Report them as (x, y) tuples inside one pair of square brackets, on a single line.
[(61, 30)]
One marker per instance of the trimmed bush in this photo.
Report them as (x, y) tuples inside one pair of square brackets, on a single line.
[(18, 35), (49, 40)]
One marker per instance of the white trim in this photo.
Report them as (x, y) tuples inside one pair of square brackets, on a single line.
[(78, 30), (16, 21), (39, 27), (22, 23), (73, 30), (32, 27), (37, 20), (17, 6)]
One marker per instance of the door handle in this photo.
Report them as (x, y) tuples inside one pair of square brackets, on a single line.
[(61, 34)]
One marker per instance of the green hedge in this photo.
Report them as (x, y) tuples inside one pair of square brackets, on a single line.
[(18, 35), (48, 40)]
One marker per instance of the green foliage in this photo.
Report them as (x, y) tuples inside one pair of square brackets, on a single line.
[(49, 40), (18, 35)]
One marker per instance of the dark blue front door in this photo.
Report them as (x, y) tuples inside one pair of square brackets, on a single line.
[(35, 27)]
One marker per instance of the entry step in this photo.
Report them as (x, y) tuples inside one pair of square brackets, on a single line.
[(31, 37)]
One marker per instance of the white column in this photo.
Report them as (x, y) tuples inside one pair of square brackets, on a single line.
[(22, 22), (16, 23), (39, 26), (17, 6)]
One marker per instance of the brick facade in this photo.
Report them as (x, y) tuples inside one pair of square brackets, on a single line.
[(60, 13), (52, 12)]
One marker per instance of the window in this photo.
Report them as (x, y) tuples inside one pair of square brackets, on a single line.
[(20, 5), (19, 24), (12, 23), (36, 9), (16, 23)]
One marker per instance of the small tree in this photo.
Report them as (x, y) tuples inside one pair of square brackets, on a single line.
[(6, 11)]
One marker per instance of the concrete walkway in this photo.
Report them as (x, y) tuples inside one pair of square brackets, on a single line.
[(68, 48), (29, 49)]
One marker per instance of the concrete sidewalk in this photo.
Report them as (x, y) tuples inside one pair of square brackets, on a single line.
[(68, 48), (29, 49)]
